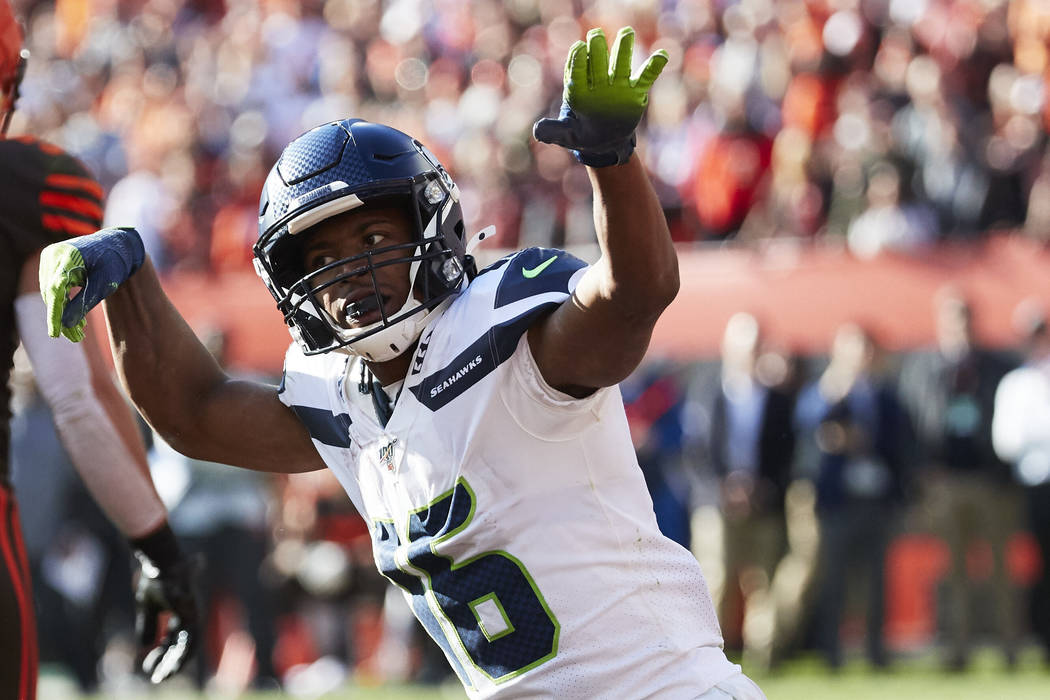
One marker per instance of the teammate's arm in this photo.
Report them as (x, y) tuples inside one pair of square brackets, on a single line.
[(599, 336), (171, 377)]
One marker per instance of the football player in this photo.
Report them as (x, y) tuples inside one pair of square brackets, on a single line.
[(49, 196), (474, 418)]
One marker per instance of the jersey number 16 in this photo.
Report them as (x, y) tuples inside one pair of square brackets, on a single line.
[(489, 602)]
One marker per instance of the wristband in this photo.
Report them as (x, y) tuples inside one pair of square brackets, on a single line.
[(161, 547)]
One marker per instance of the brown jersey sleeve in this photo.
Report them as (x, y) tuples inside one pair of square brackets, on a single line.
[(48, 195)]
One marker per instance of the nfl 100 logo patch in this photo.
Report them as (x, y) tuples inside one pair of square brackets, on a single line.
[(386, 455)]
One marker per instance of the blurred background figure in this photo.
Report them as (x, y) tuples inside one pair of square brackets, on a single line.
[(77, 560), (852, 417), (892, 220), (331, 618), (832, 131), (749, 446), (776, 114), (655, 403), (222, 515), (967, 488), (1021, 436)]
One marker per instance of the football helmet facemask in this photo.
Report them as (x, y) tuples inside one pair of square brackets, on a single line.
[(338, 167)]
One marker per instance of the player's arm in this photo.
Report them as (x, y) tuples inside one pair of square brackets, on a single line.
[(171, 377), (98, 430), (599, 336), (94, 423)]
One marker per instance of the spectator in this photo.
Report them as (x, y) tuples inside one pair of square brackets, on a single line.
[(1021, 435), (749, 446), (181, 87), (654, 405), (862, 440), (891, 221), (951, 394)]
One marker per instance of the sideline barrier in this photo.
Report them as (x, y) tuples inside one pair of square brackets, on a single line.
[(799, 291)]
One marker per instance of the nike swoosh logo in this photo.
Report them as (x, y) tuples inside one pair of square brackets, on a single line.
[(530, 273)]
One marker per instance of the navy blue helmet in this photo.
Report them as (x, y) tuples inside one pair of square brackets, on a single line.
[(338, 167)]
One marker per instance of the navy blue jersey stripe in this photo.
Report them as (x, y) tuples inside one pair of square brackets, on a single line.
[(324, 426), (536, 271), (479, 359)]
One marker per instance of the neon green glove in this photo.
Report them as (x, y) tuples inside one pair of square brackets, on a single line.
[(600, 107), (61, 269), (98, 264)]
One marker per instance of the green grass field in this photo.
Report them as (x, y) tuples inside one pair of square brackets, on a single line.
[(913, 679)]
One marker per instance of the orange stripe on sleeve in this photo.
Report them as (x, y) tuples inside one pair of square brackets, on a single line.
[(63, 224), (71, 203), (75, 182), (44, 146)]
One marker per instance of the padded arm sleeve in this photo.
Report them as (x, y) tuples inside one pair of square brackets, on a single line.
[(109, 470)]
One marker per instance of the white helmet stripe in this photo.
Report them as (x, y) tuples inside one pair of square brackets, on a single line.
[(329, 209)]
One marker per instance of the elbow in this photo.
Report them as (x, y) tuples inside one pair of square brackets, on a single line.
[(642, 299), (658, 292), (180, 440), (670, 285)]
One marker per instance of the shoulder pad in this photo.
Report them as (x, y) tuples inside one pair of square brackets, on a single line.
[(536, 271)]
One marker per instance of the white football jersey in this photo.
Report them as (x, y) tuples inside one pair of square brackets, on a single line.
[(515, 518)]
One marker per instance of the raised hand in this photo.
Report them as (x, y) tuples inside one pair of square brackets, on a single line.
[(601, 106), (98, 264)]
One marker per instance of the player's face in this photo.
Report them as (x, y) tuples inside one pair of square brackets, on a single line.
[(350, 301)]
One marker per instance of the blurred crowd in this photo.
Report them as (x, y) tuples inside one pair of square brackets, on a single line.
[(885, 123), (819, 492), (290, 594)]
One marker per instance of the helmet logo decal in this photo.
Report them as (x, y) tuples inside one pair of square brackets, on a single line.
[(317, 194)]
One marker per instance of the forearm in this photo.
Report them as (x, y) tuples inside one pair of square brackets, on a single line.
[(121, 415), (117, 479), (112, 465), (161, 362), (620, 297), (638, 268)]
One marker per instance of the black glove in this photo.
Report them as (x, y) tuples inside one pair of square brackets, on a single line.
[(165, 586)]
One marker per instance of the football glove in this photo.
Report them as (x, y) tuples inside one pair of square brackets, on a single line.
[(601, 107), (165, 589), (98, 264)]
